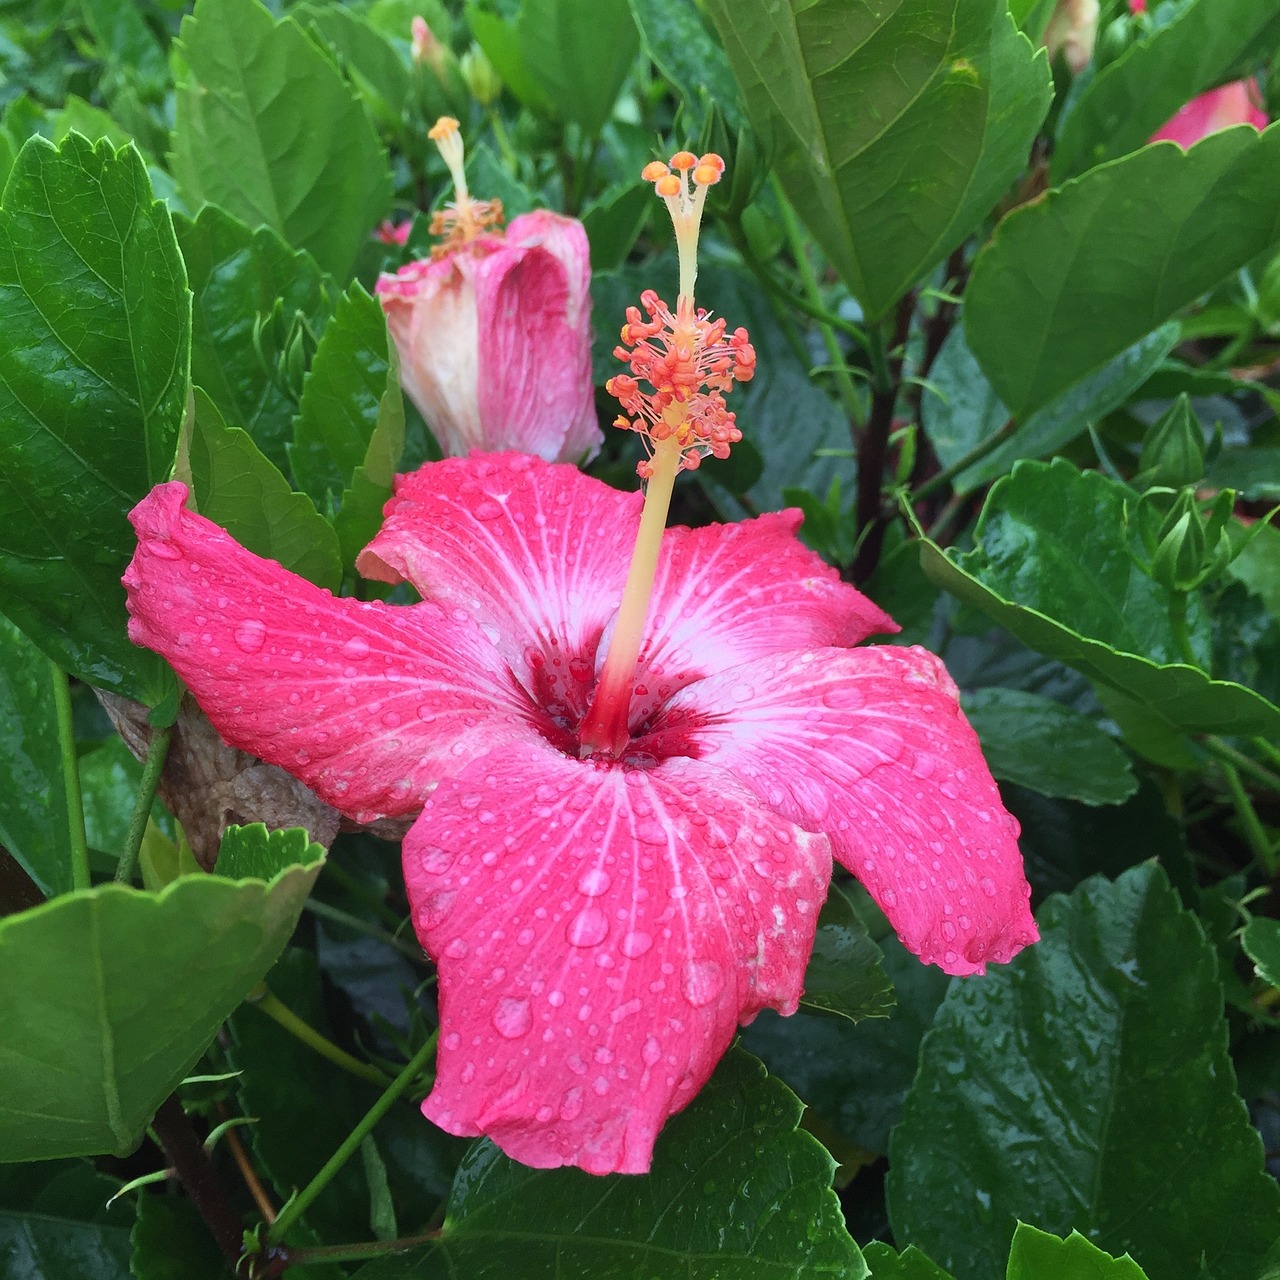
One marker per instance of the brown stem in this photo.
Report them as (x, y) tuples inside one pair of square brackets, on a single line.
[(196, 1172), (873, 448)]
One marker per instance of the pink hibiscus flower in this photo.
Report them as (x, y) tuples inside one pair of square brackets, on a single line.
[(632, 766), (494, 330), (1220, 108)]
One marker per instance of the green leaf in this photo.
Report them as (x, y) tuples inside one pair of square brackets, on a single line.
[(845, 975), (1129, 99), (369, 58), (736, 1189), (1261, 941), (614, 221), (963, 408), (1254, 472), (236, 487), (254, 853), (1157, 228), (93, 381), (267, 128), (910, 1264), (896, 128), (89, 121), (1052, 566), (132, 987), (349, 432), (251, 292), (109, 780), (579, 52), (1088, 1085), (1039, 743), (1036, 1255), (54, 1248), (33, 802), (504, 47), (171, 1242)]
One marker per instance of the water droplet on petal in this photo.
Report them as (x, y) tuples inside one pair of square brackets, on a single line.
[(512, 1017), (636, 944), (165, 550), (844, 697), (702, 981), (488, 510), (652, 1052), (250, 635), (587, 928), (593, 883)]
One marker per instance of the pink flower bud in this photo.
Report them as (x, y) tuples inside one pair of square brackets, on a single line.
[(1072, 31), (394, 232), (494, 339), (1220, 108)]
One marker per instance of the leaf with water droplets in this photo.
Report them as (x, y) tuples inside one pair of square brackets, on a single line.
[(1036, 1254), (1261, 943), (93, 382), (846, 975), (1087, 1085), (910, 1264), (736, 1190)]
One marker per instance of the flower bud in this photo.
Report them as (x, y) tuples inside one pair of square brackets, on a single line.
[(1190, 548), (481, 79), (1236, 103), (1072, 31), (1172, 450)]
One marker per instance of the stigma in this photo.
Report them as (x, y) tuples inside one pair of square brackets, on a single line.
[(462, 219)]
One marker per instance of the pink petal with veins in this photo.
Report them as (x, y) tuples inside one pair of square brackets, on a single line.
[(870, 747), (1220, 108), (600, 932), (537, 553), (368, 704), (728, 593)]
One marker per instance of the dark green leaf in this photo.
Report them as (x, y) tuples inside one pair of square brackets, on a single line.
[(896, 128), (1156, 229), (349, 433), (235, 486), (845, 975), (579, 52), (1261, 942), (171, 1242), (109, 780), (1129, 99), (33, 800), (1041, 744), (249, 288), (735, 1190), (965, 410), (267, 128), (1088, 1085), (910, 1264), (118, 992), (93, 380), (614, 222), (1255, 472), (1052, 565), (1036, 1256), (54, 1249)]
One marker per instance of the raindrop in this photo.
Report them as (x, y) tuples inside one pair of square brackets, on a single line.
[(488, 510), (512, 1017), (703, 980), (844, 697), (636, 944), (593, 883), (356, 648), (587, 928), (250, 635)]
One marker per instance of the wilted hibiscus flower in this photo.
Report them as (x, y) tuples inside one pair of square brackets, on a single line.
[(633, 762), (494, 329)]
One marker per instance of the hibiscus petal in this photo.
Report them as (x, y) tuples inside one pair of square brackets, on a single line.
[(600, 931), (537, 553), (369, 704), (870, 746), (728, 593)]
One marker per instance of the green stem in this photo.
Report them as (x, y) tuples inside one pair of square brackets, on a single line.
[(1254, 831), (976, 454), (502, 138), (1226, 752), (263, 998), (70, 779), (299, 1256), (348, 921), (157, 753), (1268, 749), (1178, 623), (809, 282), (302, 1201)]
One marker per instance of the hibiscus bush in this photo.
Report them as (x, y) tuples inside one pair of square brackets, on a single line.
[(640, 639)]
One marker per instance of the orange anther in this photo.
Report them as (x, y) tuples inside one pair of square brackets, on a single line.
[(669, 185), (654, 170), (715, 161), (706, 175), (442, 128), (683, 161)]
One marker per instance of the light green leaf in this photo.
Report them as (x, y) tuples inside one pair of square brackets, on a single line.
[(962, 409), (1088, 1085), (1156, 229), (1041, 744), (89, 121), (267, 128), (93, 382), (736, 1189), (896, 128), (910, 1264), (369, 58), (118, 992), (1036, 1255), (33, 800), (235, 486), (1052, 566), (1129, 99), (349, 432), (253, 297), (503, 46)]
